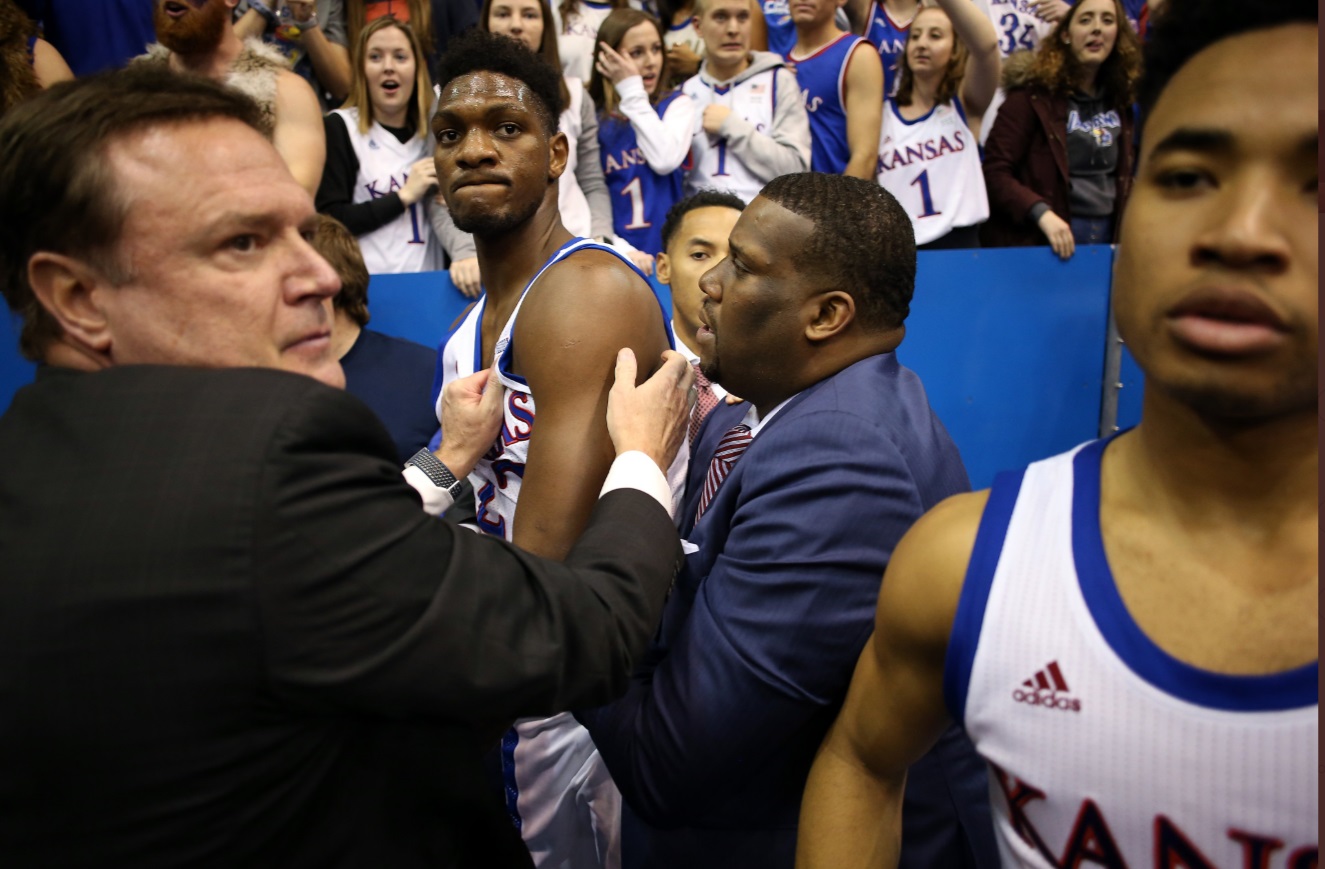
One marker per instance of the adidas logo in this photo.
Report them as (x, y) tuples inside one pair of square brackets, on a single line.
[(1047, 688)]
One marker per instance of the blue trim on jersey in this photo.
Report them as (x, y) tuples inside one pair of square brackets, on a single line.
[(504, 365), (672, 28), (970, 617), (892, 103), (511, 789), (1290, 689)]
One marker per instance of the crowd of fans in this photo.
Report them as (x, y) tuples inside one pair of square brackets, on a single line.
[(993, 122)]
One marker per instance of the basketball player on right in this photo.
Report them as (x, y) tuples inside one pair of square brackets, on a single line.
[(1129, 631)]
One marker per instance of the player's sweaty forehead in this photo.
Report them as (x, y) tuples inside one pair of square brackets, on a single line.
[(487, 86)]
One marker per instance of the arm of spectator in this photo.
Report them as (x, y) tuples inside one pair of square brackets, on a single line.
[(250, 25), (851, 813), (983, 60), (1009, 143), (49, 65), (785, 147), (299, 133), (858, 13), (770, 642), (568, 360), (335, 195), (331, 60), (758, 27), (1054, 10), (682, 62), (864, 107), (664, 141), (460, 249), (589, 171)]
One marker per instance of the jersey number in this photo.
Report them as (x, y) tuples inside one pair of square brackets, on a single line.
[(492, 522), (636, 193), (722, 158), (1010, 42), (414, 224), (926, 199)]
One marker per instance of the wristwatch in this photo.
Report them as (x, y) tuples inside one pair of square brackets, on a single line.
[(439, 473)]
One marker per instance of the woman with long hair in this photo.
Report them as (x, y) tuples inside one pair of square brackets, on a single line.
[(644, 126), (928, 144), (379, 173), (1058, 161)]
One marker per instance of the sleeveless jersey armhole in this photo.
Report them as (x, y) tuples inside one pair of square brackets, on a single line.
[(965, 636)]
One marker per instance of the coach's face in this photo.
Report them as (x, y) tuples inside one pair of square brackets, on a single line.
[(1215, 285), (753, 319), (220, 271), (496, 159)]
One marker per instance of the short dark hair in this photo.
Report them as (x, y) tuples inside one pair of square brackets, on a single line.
[(339, 247), (862, 241), (1181, 29), (702, 199), (480, 51), (53, 171)]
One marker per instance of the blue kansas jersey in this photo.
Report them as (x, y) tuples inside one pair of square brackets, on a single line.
[(640, 196), (822, 78)]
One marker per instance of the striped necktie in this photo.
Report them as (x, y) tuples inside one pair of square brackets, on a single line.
[(730, 448), (704, 403)]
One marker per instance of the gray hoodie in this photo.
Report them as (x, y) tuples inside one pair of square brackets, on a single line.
[(783, 146)]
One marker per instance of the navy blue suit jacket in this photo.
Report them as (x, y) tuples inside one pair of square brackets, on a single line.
[(713, 742)]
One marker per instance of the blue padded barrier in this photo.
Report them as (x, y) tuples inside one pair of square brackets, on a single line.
[(1009, 343)]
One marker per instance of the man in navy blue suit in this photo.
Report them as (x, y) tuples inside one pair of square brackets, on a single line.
[(794, 502)]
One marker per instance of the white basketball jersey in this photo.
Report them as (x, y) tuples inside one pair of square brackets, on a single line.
[(558, 790), (753, 99), (932, 166), (1103, 749), (406, 244)]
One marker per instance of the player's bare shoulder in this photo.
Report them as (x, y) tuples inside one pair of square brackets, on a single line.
[(924, 579), (592, 301)]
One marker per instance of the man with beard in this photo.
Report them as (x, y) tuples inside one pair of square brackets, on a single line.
[(556, 310), (197, 36)]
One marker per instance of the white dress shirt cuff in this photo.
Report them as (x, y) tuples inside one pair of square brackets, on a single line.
[(436, 500), (635, 470)]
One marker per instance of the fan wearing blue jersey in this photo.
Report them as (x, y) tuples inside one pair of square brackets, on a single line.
[(753, 125), (928, 156), (644, 130), (1129, 631), (843, 90), (886, 24), (543, 319)]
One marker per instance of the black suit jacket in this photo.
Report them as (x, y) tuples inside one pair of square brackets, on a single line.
[(229, 635)]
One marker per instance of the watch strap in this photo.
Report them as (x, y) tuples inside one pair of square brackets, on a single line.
[(433, 468)]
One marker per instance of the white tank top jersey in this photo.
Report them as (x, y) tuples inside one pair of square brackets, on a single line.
[(558, 791), (932, 166), (753, 99), (406, 244), (1104, 750)]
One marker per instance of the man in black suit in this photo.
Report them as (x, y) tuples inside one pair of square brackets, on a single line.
[(229, 636)]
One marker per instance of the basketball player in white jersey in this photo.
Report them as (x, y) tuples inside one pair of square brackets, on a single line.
[(752, 122), (1129, 631), (554, 310)]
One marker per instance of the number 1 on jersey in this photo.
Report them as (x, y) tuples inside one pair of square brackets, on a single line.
[(925, 198), (636, 193)]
